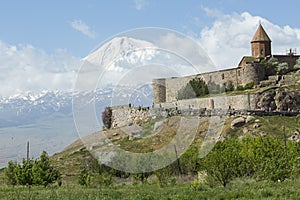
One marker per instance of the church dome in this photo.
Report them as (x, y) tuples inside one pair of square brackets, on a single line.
[(260, 35)]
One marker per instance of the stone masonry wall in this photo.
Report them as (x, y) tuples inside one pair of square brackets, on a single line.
[(253, 72), (126, 116), (290, 60), (238, 102), (159, 90)]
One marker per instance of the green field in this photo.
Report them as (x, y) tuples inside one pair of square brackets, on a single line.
[(237, 190), (257, 175)]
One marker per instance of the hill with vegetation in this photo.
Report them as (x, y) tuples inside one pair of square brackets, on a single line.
[(74, 158)]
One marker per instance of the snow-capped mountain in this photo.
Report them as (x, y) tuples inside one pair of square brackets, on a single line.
[(45, 118), (26, 108), (120, 49)]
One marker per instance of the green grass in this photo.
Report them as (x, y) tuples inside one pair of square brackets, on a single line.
[(274, 125), (271, 125), (238, 190)]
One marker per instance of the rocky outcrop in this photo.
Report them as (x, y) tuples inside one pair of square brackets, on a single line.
[(295, 137), (240, 121), (280, 99)]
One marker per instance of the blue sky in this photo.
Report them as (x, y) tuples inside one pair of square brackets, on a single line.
[(59, 32), (46, 24)]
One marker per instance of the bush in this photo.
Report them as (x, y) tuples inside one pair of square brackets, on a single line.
[(223, 162), (249, 86), (164, 176), (10, 173), (229, 86), (282, 68), (84, 177), (297, 65), (30, 172), (43, 173), (106, 117), (240, 88)]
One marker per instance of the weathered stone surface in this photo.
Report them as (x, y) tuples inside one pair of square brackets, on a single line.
[(281, 99), (240, 121), (158, 125), (245, 130), (295, 137), (286, 100), (262, 134), (256, 125), (249, 118), (266, 100), (132, 130)]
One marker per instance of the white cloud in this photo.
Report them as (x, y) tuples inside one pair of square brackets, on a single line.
[(140, 4), (186, 49), (25, 68), (82, 27), (228, 39)]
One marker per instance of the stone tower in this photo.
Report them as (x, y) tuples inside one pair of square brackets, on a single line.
[(261, 43)]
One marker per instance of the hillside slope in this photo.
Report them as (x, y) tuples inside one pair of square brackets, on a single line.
[(72, 157)]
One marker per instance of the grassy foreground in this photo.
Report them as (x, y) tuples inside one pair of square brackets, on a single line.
[(237, 190)]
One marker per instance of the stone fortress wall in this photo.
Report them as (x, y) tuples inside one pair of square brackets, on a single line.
[(126, 115), (166, 90), (250, 69)]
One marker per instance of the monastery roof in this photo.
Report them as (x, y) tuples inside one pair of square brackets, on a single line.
[(260, 35)]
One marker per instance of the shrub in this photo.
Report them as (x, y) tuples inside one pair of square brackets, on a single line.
[(229, 86), (10, 173), (30, 172), (84, 177), (240, 88), (282, 68), (270, 65), (223, 162), (297, 65), (106, 117), (164, 176), (249, 86), (43, 173)]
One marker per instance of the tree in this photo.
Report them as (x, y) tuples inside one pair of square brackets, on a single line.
[(223, 162), (24, 172), (229, 86), (271, 160), (30, 172), (43, 173), (297, 65), (10, 173), (282, 68)]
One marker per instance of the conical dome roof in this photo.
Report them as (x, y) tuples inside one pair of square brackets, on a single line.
[(260, 35)]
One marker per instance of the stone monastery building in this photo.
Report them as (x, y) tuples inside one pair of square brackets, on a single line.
[(250, 69)]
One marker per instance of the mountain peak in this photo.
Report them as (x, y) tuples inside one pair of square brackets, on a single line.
[(116, 48)]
